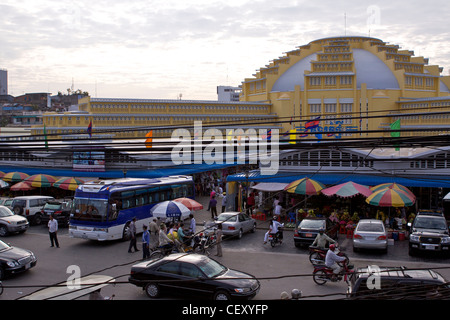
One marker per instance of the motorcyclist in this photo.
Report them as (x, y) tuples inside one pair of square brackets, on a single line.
[(332, 259), (321, 240), (274, 229)]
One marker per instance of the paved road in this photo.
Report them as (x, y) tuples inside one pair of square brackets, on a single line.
[(248, 254)]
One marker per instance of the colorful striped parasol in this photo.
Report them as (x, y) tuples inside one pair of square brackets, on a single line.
[(68, 183), (347, 190), (390, 197), (15, 176), (40, 180), (393, 185), (304, 186)]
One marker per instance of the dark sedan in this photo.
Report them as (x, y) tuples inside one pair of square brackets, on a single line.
[(14, 260), (193, 275)]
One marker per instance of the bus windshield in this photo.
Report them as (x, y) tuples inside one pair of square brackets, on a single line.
[(90, 209)]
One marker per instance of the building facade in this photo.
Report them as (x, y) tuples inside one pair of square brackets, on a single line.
[(354, 87), (3, 82), (133, 118)]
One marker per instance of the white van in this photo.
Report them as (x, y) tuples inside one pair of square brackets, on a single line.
[(30, 207)]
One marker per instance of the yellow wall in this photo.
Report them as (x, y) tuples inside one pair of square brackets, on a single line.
[(335, 55)]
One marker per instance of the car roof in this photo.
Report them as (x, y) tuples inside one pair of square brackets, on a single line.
[(370, 221), (34, 197), (231, 213), (400, 272), (430, 212)]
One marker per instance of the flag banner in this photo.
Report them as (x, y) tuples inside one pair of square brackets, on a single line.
[(89, 129), (312, 124), (396, 134), (149, 140), (45, 138)]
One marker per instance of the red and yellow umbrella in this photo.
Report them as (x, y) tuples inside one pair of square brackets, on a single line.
[(40, 180), (305, 186), (390, 197), (68, 183), (15, 176)]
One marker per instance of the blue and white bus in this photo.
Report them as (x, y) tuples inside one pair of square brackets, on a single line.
[(103, 209)]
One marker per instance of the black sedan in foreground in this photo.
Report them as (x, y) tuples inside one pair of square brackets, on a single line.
[(192, 275), (14, 260)]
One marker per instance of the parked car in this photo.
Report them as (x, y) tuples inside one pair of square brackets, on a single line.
[(308, 228), (198, 275), (391, 283), (11, 223), (429, 232), (30, 207), (7, 202), (14, 260), (59, 209), (370, 234), (236, 223)]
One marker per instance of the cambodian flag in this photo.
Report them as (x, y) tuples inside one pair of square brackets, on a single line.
[(89, 129), (312, 124)]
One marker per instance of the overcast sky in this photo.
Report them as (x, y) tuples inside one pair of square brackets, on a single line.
[(158, 49)]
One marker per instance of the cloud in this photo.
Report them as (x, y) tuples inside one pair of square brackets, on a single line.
[(192, 45)]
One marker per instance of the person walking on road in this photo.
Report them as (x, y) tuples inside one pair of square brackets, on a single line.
[(213, 207), (52, 231), (219, 240), (145, 243), (133, 236), (153, 229)]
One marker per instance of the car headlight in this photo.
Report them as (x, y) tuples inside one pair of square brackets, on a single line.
[(242, 290), (12, 264), (445, 240), (414, 238)]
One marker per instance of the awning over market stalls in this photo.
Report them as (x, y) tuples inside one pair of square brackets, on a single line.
[(337, 178), (270, 186)]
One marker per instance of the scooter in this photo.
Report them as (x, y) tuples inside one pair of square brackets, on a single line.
[(322, 274), (276, 238), (317, 255)]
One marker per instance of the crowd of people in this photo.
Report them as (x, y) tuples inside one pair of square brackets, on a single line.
[(168, 236)]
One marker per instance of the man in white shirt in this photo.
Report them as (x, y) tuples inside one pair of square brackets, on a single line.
[(331, 260), (52, 231), (273, 229)]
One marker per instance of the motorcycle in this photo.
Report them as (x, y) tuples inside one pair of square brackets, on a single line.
[(276, 238), (322, 274), (317, 255), (207, 239)]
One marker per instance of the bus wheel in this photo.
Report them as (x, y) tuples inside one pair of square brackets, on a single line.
[(126, 235)]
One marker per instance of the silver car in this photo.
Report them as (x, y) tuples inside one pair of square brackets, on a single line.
[(11, 223), (370, 234), (236, 223)]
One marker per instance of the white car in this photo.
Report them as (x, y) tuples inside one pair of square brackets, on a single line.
[(236, 223), (11, 223), (370, 234), (30, 207)]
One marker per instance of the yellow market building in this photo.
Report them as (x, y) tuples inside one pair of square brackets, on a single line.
[(133, 118), (353, 85)]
